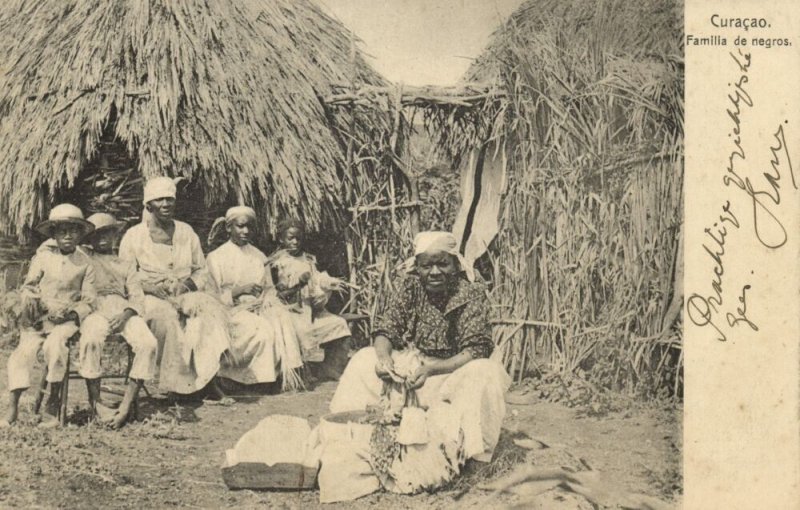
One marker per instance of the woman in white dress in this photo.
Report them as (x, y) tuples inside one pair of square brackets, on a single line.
[(260, 340), (170, 265)]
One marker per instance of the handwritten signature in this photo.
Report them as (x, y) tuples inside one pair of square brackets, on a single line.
[(769, 230), (734, 320)]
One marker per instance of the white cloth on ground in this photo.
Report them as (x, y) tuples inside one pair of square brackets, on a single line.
[(345, 473), (275, 439)]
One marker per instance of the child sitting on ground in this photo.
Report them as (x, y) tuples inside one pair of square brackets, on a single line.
[(119, 305), (57, 293)]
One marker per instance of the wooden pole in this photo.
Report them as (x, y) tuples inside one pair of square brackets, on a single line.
[(414, 212), (350, 167)]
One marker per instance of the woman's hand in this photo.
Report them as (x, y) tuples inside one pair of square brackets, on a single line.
[(155, 289), (118, 322), (288, 296), (384, 368), (419, 377), (64, 317), (318, 302), (252, 289), (182, 287)]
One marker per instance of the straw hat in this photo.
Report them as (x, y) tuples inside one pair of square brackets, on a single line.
[(64, 213), (103, 222)]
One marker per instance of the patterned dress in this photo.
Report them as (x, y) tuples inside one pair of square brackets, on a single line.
[(441, 329)]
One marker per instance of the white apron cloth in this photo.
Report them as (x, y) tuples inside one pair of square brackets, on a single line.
[(475, 393)]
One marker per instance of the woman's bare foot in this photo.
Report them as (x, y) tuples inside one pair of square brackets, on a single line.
[(103, 413), (119, 419), (49, 421)]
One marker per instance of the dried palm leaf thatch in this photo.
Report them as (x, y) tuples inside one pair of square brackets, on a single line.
[(223, 93), (585, 261)]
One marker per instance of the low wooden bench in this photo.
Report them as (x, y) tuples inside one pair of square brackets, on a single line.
[(114, 341)]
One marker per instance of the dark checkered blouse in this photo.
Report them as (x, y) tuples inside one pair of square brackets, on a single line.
[(444, 329)]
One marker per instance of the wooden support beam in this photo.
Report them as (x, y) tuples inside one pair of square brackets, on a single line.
[(468, 95), (528, 323)]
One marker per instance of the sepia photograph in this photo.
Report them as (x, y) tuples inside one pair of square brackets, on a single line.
[(341, 254)]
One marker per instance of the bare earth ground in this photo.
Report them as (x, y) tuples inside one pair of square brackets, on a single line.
[(172, 457)]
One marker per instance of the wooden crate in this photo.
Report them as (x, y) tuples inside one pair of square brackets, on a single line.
[(257, 475)]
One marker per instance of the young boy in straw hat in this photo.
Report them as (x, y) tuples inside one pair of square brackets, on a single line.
[(57, 294), (119, 305)]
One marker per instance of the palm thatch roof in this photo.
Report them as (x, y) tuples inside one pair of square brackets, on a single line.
[(226, 94), (587, 258)]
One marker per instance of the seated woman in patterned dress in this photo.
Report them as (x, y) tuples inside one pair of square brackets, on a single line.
[(441, 312)]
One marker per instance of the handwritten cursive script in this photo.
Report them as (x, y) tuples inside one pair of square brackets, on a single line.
[(702, 310), (762, 187), (769, 230), (741, 311)]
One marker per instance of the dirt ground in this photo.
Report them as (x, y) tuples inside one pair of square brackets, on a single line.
[(172, 456)]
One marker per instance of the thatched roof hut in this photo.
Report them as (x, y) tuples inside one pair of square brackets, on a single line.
[(587, 260), (226, 94)]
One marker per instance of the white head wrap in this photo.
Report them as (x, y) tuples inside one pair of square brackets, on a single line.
[(159, 187), (433, 241), (230, 215), (240, 211)]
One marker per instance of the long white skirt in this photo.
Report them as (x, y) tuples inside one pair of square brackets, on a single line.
[(188, 357), (313, 333), (258, 345), (475, 392)]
